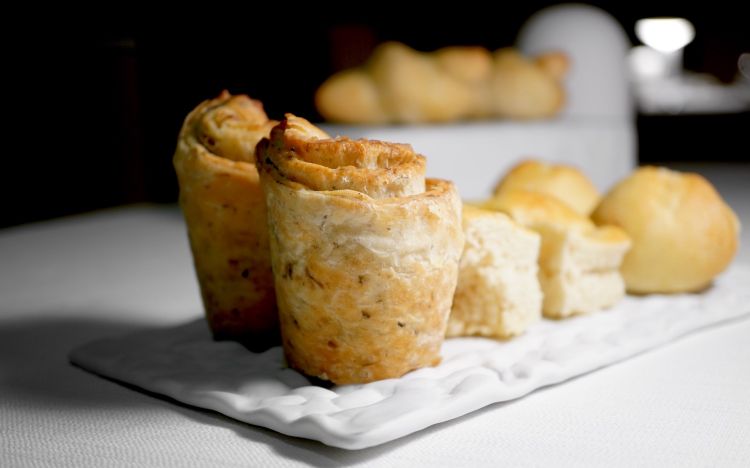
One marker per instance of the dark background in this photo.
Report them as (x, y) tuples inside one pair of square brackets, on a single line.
[(96, 99)]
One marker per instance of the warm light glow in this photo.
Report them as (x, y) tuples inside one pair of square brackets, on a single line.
[(665, 34), (646, 62)]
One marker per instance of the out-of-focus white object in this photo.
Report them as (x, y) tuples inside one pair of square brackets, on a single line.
[(665, 39), (647, 63), (743, 65), (595, 130), (597, 83), (662, 86), (665, 34), (692, 93)]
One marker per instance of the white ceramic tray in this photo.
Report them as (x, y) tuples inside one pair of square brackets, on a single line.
[(185, 364)]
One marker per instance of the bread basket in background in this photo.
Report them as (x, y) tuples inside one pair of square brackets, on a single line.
[(594, 129)]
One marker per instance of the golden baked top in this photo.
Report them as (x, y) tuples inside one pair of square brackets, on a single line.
[(306, 155), (229, 126), (657, 192), (538, 210), (566, 183), (531, 208)]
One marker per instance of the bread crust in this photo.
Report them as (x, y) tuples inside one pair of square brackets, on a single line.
[(683, 232), (530, 208), (566, 183), (225, 214), (364, 250)]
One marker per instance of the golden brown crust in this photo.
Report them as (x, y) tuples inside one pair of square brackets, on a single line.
[(364, 281), (225, 215), (683, 233), (372, 167), (533, 208), (566, 183)]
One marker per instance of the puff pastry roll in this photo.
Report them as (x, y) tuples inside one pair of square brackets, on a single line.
[(364, 251), (225, 213)]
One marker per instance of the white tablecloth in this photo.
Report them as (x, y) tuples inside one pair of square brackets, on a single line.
[(68, 281)]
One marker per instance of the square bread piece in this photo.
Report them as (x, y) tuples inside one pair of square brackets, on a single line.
[(498, 293), (579, 263)]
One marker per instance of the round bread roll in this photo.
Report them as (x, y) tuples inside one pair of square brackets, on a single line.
[(565, 183), (683, 233)]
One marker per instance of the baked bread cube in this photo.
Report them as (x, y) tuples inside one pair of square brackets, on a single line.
[(579, 263), (498, 293)]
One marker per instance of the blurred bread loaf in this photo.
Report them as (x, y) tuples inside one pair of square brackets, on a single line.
[(578, 263), (414, 88), (472, 65), (683, 233), (401, 85), (563, 182), (526, 89), (351, 96), (498, 293)]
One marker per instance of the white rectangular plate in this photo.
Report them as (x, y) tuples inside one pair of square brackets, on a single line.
[(184, 363)]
